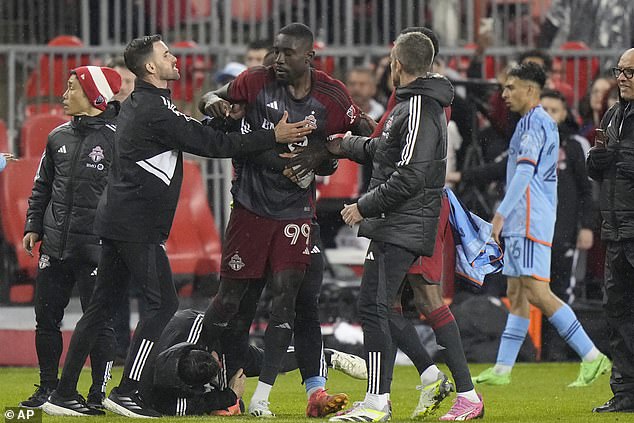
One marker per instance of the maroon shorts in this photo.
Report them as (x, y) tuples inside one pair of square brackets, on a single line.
[(254, 244), (441, 265)]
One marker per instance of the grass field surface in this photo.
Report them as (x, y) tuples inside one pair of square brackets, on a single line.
[(537, 393)]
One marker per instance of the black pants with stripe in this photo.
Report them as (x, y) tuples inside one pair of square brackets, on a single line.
[(148, 266), (384, 270), (53, 288)]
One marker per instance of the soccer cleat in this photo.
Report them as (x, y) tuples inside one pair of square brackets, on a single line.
[(260, 409), (73, 406), (129, 405), (463, 409), (489, 377), (321, 404), (233, 410), (349, 364), (361, 413), (39, 397), (590, 371), (432, 395)]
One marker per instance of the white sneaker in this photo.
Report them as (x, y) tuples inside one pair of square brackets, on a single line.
[(361, 413), (261, 409), (432, 395), (351, 365)]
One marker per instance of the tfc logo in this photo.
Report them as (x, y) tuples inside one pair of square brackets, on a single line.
[(96, 154), (312, 121), (351, 113), (236, 264), (45, 261)]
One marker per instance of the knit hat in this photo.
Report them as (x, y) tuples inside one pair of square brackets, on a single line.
[(99, 83)]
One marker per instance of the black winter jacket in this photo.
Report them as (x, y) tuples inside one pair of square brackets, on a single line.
[(616, 197), (144, 184), (70, 179), (172, 396), (402, 204)]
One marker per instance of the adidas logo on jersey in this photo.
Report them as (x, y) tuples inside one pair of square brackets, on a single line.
[(284, 325), (272, 105), (306, 251), (62, 149), (370, 256), (315, 250)]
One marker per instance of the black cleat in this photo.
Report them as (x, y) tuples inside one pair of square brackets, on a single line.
[(72, 406), (618, 404), (129, 405), (39, 397)]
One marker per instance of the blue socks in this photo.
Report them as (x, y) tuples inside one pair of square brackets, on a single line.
[(569, 328), (313, 383), (512, 340)]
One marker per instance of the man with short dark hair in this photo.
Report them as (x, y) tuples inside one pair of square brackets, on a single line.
[(400, 211), (135, 216), (527, 216), (256, 52)]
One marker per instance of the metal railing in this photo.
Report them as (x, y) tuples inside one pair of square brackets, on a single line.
[(338, 23)]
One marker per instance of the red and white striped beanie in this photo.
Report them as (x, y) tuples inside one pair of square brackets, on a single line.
[(99, 83)]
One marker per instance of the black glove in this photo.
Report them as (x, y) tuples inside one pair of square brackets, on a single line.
[(625, 169), (600, 158)]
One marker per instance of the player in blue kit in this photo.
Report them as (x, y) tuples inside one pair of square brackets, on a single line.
[(526, 219)]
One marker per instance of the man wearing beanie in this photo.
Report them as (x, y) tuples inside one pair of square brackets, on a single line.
[(135, 216), (69, 181)]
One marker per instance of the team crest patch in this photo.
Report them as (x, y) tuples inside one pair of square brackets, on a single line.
[(351, 114), (389, 123), (312, 121), (96, 154), (45, 261), (100, 100), (236, 263)]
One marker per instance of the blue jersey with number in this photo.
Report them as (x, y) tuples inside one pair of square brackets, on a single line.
[(535, 143)]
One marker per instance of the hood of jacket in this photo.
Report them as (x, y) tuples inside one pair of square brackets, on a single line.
[(432, 85)]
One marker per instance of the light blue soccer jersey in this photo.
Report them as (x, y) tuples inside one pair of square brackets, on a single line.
[(535, 143)]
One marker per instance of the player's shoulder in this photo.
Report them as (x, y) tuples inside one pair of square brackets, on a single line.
[(333, 88), (536, 118)]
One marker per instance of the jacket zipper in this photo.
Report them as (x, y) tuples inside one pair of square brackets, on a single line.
[(69, 203)]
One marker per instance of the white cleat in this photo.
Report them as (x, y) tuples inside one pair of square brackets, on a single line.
[(351, 365), (261, 410)]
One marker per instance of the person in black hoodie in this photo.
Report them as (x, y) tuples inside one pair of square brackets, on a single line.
[(135, 215), (573, 227), (70, 179), (400, 211)]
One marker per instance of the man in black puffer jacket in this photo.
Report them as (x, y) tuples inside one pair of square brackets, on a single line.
[(71, 177), (611, 163), (400, 211)]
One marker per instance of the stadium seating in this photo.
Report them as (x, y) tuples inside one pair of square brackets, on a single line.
[(34, 133), (47, 83), (344, 183), (578, 72), (193, 246), (192, 71), (15, 188), (4, 137)]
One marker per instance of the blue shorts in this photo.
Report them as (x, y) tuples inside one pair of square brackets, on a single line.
[(523, 257)]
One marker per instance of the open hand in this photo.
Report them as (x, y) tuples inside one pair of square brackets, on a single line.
[(288, 133)]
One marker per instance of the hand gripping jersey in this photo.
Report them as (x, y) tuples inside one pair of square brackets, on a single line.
[(535, 143), (328, 107)]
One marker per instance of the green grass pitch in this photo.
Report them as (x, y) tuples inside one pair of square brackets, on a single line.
[(538, 393)]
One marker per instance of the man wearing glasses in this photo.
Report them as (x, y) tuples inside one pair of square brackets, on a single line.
[(611, 163)]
